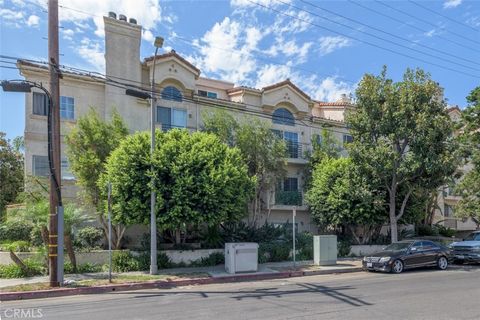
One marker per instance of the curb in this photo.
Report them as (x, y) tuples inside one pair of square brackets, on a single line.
[(162, 284)]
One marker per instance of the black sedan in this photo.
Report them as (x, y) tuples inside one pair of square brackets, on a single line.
[(406, 255)]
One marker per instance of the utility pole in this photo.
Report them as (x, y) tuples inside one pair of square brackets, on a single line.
[(54, 152)]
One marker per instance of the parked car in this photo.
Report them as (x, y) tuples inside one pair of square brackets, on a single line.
[(467, 250), (406, 255)]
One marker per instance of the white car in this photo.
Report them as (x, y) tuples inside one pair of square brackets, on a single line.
[(467, 250)]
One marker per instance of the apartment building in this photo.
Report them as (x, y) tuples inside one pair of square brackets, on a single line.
[(447, 199), (185, 95)]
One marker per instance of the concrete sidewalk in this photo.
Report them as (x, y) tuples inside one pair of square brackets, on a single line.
[(214, 272), (179, 277)]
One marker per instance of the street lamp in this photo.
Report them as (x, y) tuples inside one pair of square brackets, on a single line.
[(26, 87), (153, 220)]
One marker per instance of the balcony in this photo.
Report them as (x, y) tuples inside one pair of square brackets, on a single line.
[(296, 152), (288, 198)]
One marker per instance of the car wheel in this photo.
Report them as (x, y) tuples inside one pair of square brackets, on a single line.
[(397, 266), (442, 263)]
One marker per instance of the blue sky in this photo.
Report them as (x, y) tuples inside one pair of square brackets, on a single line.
[(323, 46)]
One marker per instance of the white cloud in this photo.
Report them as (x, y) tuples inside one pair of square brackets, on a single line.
[(93, 53), (329, 44), (33, 21), (247, 3), (331, 89), (289, 49), (67, 34), (147, 35), (12, 18), (226, 50), (451, 4), (147, 12), (323, 89)]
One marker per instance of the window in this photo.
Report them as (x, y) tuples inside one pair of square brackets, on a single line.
[(290, 184), (291, 140), (66, 173), (40, 104), (347, 139), (171, 118), (172, 93), (287, 193), (283, 116), (67, 108), (40, 166), (208, 94), (448, 211)]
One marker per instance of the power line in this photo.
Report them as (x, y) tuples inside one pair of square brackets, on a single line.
[(442, 15), (377, 37), (389, 33), (363, 41), (459, 44), (425, 21)]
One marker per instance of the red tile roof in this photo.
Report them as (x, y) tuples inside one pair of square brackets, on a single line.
[(173, 54), (289, 83)]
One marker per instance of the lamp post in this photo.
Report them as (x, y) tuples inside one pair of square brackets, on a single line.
[(139, 94), (56, 262)]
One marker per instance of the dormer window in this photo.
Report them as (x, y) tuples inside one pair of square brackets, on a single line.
[(172, 93), (283, 116), (208, 94)]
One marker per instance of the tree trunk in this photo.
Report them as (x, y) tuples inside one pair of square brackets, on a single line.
[(19, 262), (71, 252), (393, 216), (178, 237)]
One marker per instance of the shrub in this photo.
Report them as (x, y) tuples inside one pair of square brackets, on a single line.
[(213, 259), (426, 230), (15, 230), (212, 238), (274, 251), (445, 231), (124, 261), (16, 246), (88, 237), (34, 268), (344, 248), (143, 259), (304, 246), (82, 268)]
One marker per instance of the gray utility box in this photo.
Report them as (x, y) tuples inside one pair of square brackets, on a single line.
[(325, 250), (241, 257)]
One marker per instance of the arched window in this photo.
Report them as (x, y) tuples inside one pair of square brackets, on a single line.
[(172, 93), (283, 116)]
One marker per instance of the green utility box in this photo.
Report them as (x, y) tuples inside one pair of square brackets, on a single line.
[(325, 250)]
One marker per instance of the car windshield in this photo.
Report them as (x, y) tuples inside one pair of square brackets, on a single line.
[(473, 237), (398, 246)]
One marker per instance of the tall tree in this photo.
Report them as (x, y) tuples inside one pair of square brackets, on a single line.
[(11, 173), (469, 187), (198, 180), (403, 136), (88, 145), (340, 196), (324, 145), (263, 152)]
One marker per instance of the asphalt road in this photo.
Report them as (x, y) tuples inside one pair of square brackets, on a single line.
[(424, 294)]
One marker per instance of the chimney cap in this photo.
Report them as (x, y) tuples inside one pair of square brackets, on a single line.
[(122, 17)]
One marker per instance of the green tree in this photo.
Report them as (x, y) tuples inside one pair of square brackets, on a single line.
[(324, 145), (402, 136), (469, 187), (11, 173), (263, 152), (198, 180), (88, 145), (339, 196)]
